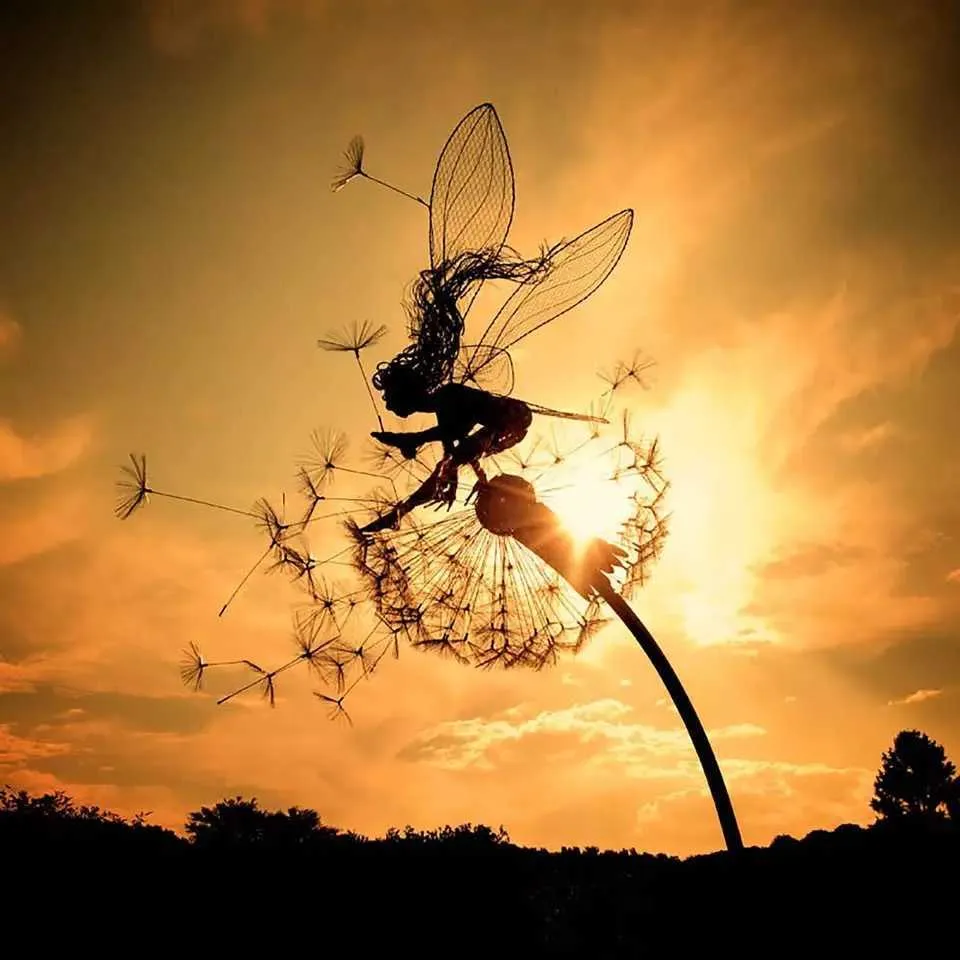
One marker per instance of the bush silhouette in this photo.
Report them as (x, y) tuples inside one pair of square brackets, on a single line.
[(238, 824), (245, 876)]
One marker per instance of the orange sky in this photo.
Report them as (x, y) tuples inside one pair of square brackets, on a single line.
[(171, 252)]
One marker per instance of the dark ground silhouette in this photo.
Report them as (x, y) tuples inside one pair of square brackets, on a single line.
[(245, 879)]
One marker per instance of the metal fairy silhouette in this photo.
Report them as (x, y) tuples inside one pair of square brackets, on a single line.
[(467, 387)]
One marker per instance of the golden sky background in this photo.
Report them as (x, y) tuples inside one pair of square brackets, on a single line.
[(171, 251)]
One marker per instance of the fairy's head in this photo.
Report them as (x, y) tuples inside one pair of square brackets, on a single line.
[(404, 389)]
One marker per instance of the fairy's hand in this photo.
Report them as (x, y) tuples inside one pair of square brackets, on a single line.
[(402, 441), (446, 492)]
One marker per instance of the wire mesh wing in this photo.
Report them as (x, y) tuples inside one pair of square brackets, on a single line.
[(471, 202), (576, 269), (495, 365)]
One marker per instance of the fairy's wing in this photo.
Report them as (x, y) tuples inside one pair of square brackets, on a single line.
[(496, 365), (471, 202), (576, 269)]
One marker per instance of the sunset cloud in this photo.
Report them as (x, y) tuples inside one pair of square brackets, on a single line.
[(868, 438), (463, 743), (918, 696), (16, 751), (43, 524), (25, 457)]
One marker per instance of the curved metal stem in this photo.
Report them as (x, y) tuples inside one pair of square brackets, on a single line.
[(705, 754)]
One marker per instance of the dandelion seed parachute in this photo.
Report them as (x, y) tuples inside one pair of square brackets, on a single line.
[(352, 165), (353, 339)]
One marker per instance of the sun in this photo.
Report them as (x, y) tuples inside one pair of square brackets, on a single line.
[(590, 503)]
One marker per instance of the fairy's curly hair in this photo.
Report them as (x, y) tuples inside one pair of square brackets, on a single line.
[(436, 323)]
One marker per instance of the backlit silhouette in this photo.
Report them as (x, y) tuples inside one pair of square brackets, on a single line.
[(471, 209), (501, 581)]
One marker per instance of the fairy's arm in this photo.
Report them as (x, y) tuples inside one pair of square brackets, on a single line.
[(409, 443)]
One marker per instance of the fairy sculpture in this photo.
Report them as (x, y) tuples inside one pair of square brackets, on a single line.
[(467, 387)]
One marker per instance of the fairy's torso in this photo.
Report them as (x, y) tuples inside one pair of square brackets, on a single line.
[(460, 408)]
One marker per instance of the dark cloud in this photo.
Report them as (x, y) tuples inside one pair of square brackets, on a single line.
[(119, 741), (15, 643), (920, 662)]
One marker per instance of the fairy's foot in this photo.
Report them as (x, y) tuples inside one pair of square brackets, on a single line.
[(389, 521)]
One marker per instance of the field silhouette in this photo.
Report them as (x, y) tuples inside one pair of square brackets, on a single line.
[(241, 875)]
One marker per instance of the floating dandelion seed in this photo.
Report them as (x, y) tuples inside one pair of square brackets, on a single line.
[(338, 712), (320, 466), (278, 531), (192, 667), (353, 168), (310, 490), (353, 164), (310, 639), (355, 340), (133, 487), (624, 373), (318, 643), (135, 491), (329, 447)]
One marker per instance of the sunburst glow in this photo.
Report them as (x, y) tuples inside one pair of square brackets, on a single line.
[(591, 503)]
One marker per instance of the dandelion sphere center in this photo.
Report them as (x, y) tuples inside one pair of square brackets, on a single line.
[(503, 503)]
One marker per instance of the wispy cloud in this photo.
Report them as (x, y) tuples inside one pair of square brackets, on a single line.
[(13, 678), (869, 438), (49, 522), (23, 457), (463, 743), (918, 696), (16, 750)]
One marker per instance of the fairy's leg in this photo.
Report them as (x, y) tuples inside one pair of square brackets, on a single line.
[(495, 438), (429, 490)]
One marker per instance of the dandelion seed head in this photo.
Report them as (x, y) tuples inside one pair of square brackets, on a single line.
[(352, 164), (353, 339), (132, 486), (192, 667), (337, 711), (270, 521), (328, 450), (466, 587)]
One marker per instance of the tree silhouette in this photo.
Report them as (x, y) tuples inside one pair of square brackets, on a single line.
[(953, 802), (241, 824), (916, 781)]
